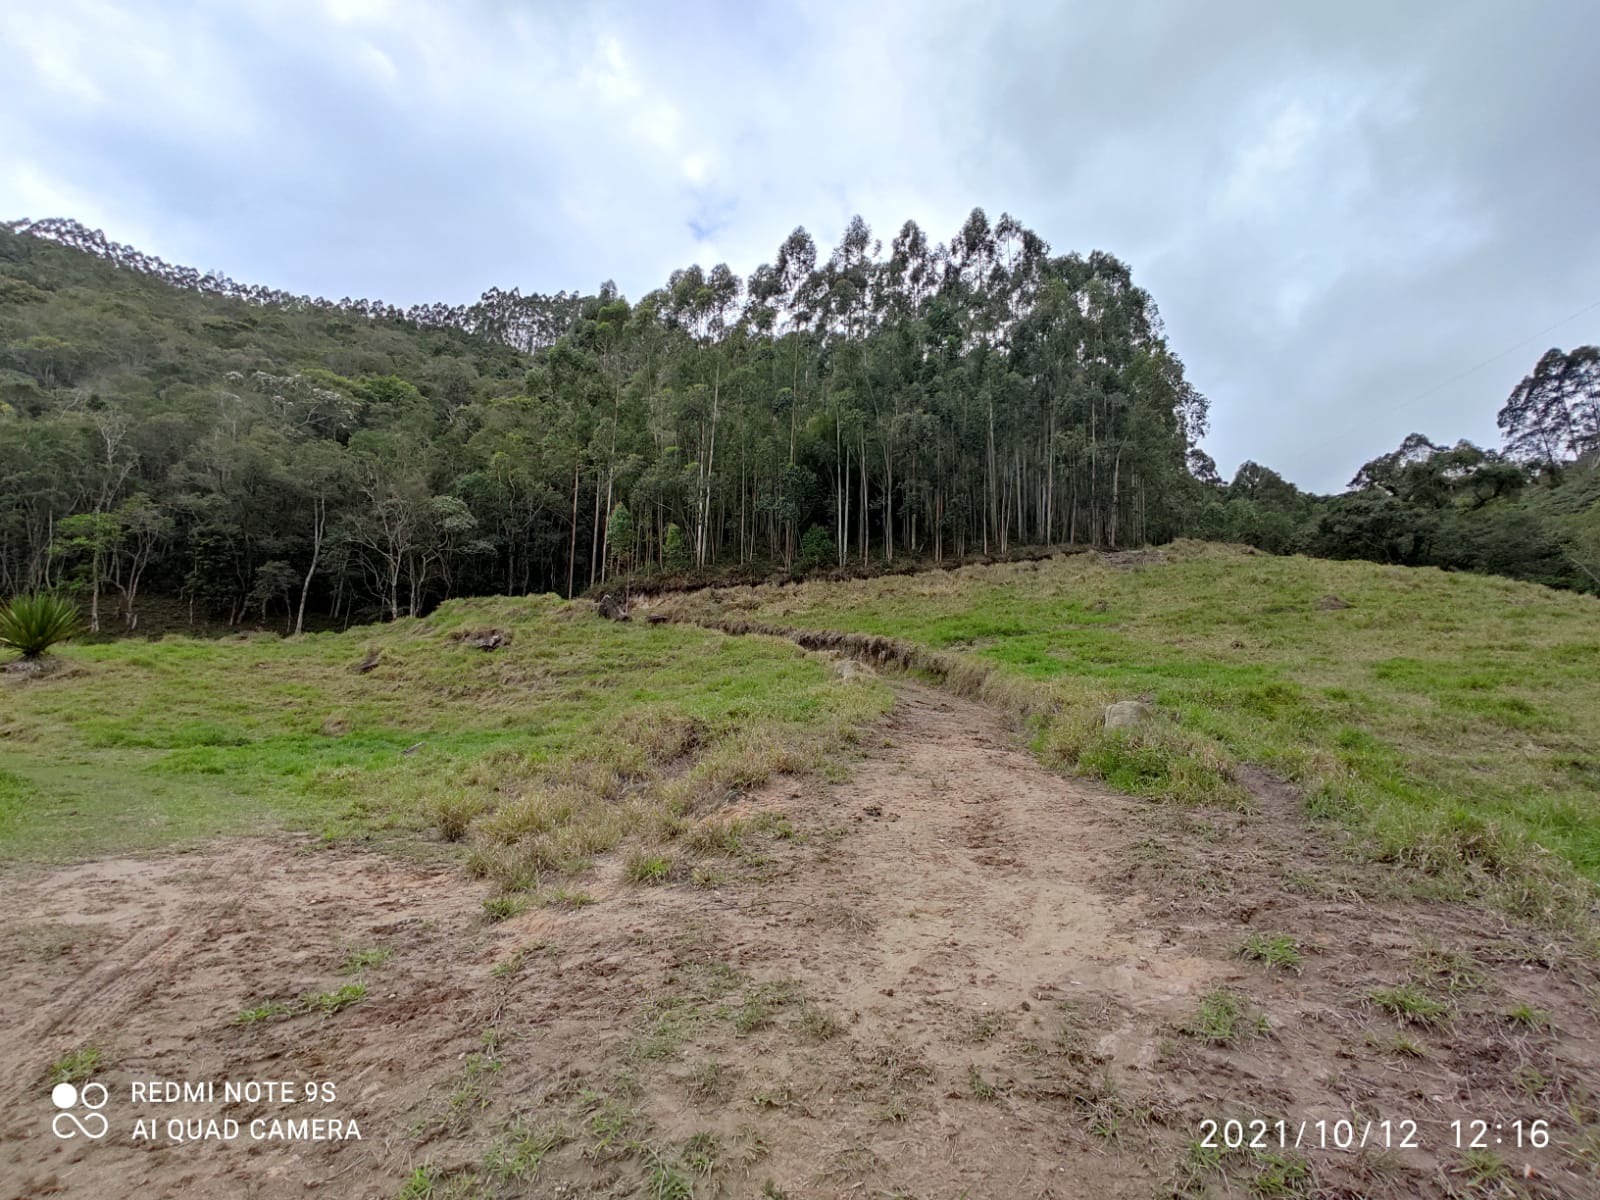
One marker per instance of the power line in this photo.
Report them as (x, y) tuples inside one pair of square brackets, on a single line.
[(1497, 357)]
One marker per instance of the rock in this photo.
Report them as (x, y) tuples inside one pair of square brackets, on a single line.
[(484, 639), (1128, 714), (848, 669), (613, 610), (1331, 603)]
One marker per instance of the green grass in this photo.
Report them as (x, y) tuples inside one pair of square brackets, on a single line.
[(141, 745), (505, 906), (328, 1003), (1274, 949), (519, 1153), (77, 1065), (1448, 718), (271, 1010), (1525, 1016), (359, 960), (1408, 1002), (1223, 1018), (643, 867)]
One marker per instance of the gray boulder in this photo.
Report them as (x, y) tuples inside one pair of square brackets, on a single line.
[(1128, 714)]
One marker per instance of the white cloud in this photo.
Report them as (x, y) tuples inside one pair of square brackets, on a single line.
[(1331, 206)]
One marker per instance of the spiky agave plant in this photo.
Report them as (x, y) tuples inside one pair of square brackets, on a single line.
[(32, 624)]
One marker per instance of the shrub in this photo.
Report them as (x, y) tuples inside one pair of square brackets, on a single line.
[(32, 624), (674, 550), (817, 549)]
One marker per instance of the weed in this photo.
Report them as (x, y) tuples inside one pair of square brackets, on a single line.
[(708, 1080), (76, 1065), (510, 965), (504, 906), (749, 1147), (1526, 1017), (1529, 1080), (1408, 1002), (612, 1125), (1454, 970), (454, 814), (328, 1003), (1405, 1047), (1199, 1163), (707, 877), (1223, 1017), (755, 1013), (1280, 1175), (644, 867), (716, 835), (419, 1185), (1480, 1167), (360, 960), (1274, 949), (819, 1024), (778, 1096), (701, 1154), (897, 1111), (775, 824), (471, 1092), (517, 1155), (980, 1087), (986, 1027), (665, 1180), (269, 1011)]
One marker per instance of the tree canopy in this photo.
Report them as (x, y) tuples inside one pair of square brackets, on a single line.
[(264, 455)]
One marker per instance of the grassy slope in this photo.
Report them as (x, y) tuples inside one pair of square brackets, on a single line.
[(1455, 718), (145, 744)]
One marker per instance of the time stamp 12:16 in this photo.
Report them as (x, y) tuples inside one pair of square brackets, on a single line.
[(1347, 1134)]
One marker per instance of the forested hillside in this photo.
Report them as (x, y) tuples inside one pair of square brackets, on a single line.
[(265, 455), (268, 457)]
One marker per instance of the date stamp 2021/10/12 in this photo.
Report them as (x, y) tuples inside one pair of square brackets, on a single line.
[(1345, 1134)]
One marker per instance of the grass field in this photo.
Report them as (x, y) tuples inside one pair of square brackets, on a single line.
[(137, 745), (1453, 719)]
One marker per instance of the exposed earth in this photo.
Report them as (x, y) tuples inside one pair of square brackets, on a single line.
[(954, 974)]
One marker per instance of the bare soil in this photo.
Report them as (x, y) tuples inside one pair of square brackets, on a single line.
[(955, 974)]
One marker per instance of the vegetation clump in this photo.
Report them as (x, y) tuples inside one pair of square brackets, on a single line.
[(33, 623)]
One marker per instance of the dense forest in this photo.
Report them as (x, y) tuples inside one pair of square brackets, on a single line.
[(1530, 510), (282, 459)]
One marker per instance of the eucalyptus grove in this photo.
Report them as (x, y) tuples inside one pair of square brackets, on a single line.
[(266, 456)]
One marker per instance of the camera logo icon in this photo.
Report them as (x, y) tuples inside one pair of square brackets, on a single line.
[(69, 1123)]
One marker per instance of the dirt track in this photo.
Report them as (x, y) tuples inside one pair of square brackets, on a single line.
[(968, 977)]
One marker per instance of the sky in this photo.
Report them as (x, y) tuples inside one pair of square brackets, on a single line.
[(1359, 220)]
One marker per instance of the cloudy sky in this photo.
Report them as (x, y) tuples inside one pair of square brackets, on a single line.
[(1359, 219)]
